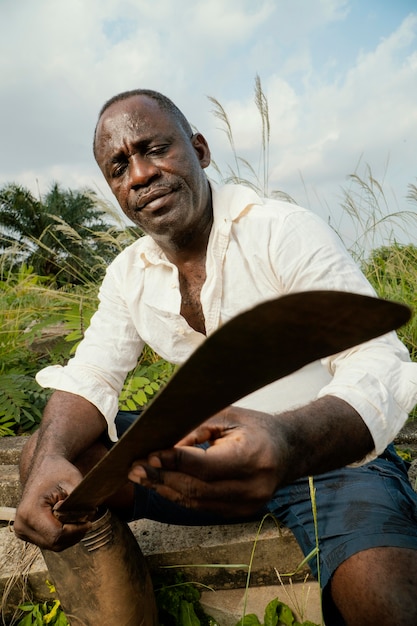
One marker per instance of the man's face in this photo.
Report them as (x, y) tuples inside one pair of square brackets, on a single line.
[(153, 167)]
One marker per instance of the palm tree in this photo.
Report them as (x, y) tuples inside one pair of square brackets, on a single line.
[(62, 234)]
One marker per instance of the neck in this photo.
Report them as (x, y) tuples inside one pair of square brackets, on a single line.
[(190, 245)]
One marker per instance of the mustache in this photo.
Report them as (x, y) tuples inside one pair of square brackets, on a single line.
[(153, 193)]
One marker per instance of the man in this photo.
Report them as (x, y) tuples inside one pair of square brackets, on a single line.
[(209, 254)]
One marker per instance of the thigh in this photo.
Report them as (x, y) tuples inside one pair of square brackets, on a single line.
[(375, 586), (357, 509)]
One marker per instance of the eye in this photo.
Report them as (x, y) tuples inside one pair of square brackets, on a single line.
[(118, 170), (160, 150)]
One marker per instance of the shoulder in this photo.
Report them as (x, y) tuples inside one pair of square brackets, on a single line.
[(137, 254), (127, 270), (238, 201), (246, 209)]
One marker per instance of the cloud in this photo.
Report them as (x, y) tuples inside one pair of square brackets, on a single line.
[(321, 130), (60, 61)]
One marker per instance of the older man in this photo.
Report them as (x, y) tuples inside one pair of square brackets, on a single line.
[(208, 254)]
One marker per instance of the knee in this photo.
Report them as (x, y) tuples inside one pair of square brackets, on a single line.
[(377, 586), (26, 457)]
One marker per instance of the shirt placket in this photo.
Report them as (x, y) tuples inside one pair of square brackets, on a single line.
[(212, 291)]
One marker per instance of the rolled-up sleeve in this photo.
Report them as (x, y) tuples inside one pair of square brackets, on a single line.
[(376, 378), (109, 350), (380, 382)]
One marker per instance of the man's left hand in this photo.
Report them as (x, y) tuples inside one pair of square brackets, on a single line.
[(235, 476)]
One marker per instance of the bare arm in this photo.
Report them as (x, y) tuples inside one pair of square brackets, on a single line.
[(325, 435), (49, 472), (252, 454)]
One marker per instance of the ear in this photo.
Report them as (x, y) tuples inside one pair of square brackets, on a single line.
[(202, 149)]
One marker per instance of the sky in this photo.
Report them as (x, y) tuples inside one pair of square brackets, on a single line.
[(340, 78)]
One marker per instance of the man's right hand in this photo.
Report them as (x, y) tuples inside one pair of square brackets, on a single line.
[(52, 464), (47, 487)]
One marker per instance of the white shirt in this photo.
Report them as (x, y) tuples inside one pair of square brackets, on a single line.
[(258, 249)]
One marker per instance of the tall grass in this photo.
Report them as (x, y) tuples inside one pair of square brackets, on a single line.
[(365, 222), (42, 322), (31, 305), (242, 171)]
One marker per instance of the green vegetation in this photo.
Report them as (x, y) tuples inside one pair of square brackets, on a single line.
[(59, 235), (43, 317), (40, 613), (50, 271), (54, 251), (178, 604), (277, 613)]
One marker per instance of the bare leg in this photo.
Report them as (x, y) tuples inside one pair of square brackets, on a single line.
[(377, 587)]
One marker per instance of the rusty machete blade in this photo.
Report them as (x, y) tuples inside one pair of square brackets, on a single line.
[(255, 348)]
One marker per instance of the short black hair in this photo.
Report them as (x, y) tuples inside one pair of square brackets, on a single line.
[(163, 102)]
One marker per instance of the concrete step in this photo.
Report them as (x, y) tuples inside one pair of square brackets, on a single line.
[(220, 548), (23, 568), (10, 449), (228, 607), (10, 489)]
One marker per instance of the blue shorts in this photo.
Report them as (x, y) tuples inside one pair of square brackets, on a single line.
[(357, 508)]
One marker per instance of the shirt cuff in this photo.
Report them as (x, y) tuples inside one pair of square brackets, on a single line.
[(60, 378)]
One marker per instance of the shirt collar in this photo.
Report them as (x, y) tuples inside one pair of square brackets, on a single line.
[(230, 203)]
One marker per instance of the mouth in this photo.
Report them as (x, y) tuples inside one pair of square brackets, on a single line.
[(153, 198)]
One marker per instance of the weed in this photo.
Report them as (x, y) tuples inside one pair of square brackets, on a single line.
[(48, 612)]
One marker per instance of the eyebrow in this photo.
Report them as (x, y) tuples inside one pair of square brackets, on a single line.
[(140, 145)]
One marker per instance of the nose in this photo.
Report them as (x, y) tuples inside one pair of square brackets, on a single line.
[(141, 170)]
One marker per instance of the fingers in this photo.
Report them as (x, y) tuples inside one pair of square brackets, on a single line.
[(211, 464), (230, 498), (73, 517), (205, 486), (36, 522), (234, 476), (208, 431), (50, 533)]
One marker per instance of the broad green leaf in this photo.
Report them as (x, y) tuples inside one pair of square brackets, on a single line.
[(277, 613), (187, 614), (26, 606), (249, 620), (140, 381), (140, 397), (286, 616), (61, 620), (37, 615), (272, 612)]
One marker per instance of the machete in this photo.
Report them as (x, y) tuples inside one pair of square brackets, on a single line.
[(257, 347)]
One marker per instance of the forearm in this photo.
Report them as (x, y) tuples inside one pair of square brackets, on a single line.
[(49, 470), (326, 434), (70, 425), (252, 454)]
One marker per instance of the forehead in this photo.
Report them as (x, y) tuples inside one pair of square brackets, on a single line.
[(133, 117)]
